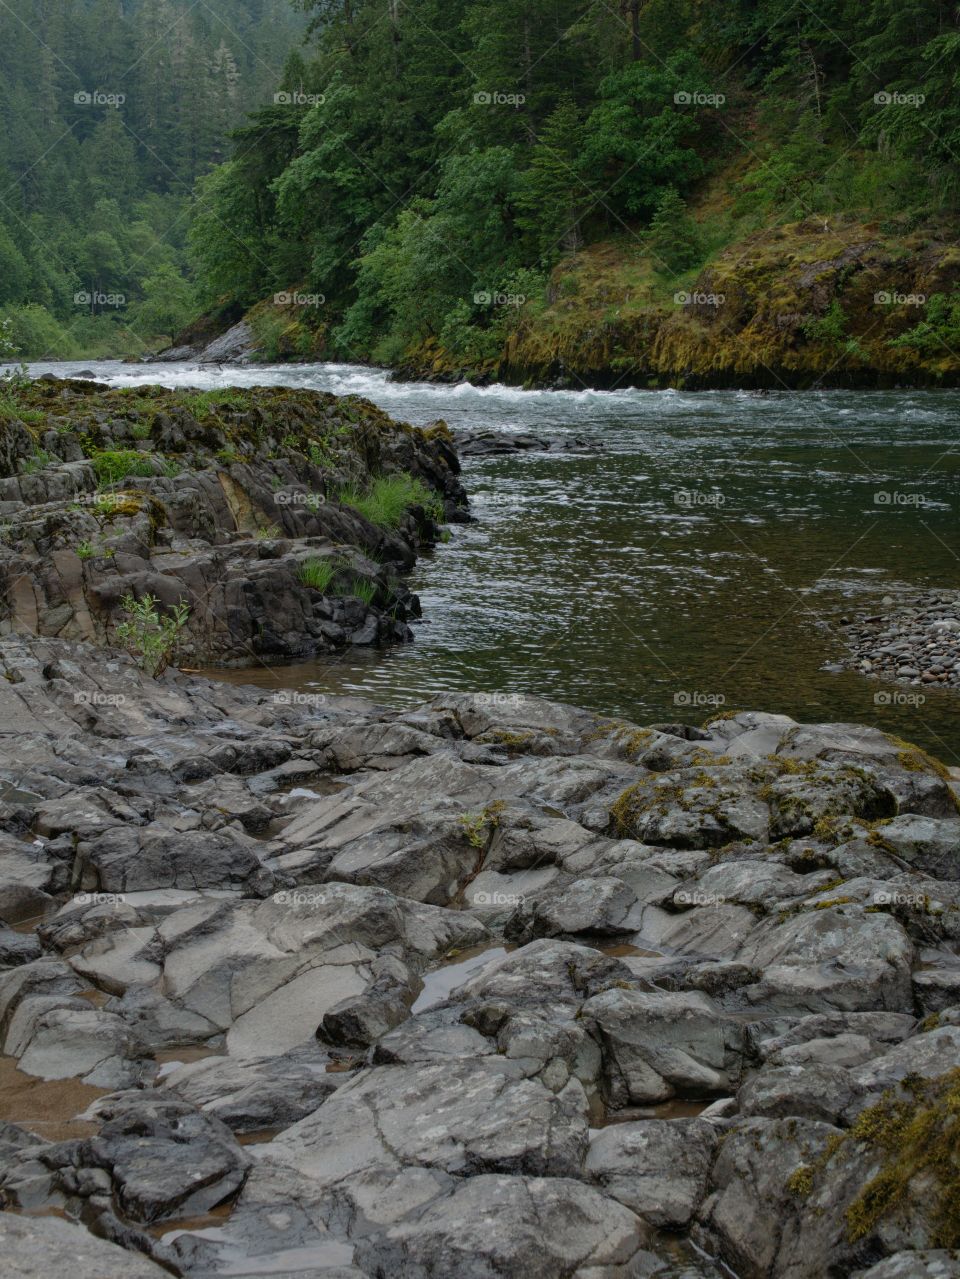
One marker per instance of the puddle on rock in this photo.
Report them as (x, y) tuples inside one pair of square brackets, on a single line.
[(257, 1138), (675, 1108), (171, 1059), (168, 1230), (625, 950), (233, 1259), (438, 984), (47, 1107)]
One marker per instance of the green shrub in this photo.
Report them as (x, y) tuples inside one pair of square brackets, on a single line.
[(149, 635)]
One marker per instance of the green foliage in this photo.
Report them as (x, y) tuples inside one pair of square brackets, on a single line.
[(151, 636), (830, 328), (96, 193), (318, 574), (11, 410), (390, 497), (86, 550), (37, 462), (939, 332), (113, 465), (202, 403), (358, 589), (673, 238)]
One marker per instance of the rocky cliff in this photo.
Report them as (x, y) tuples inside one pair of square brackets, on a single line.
[(283, 520)]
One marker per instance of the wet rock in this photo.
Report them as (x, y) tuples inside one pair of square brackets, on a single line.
[(600, 905), (253, 1094), (463, 1117), (164, 1157), (33, 1246), (657, 1045), (549, 1225), (657, 1168)]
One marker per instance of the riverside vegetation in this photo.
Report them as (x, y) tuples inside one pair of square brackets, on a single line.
[(294, 984), (674, 192), (658, 192)]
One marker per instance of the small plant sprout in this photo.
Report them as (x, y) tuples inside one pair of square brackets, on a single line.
[(150, 635)]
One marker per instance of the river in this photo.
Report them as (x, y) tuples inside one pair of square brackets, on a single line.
[(700, 552)]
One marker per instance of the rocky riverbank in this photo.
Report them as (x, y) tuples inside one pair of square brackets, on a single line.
[(284, 521), (490, 987), (830, 301), (914, 642)]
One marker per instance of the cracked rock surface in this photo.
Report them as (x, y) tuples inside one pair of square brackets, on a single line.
[(481, 988)]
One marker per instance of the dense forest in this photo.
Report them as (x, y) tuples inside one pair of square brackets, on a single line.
[(419, 168), (111, 110), (456, 150)]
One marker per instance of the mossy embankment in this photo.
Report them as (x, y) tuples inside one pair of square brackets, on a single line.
[(284, 519), (832, 302)]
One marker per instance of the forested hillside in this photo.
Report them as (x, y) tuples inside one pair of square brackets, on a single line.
[(523, 188), (452, 152), (111, 109)]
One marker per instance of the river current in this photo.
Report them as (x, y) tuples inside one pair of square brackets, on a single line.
[(699, 552)]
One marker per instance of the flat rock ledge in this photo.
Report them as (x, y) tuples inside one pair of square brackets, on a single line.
[(488, 988)]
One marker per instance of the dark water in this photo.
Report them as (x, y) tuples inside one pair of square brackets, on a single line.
[(590, 578)]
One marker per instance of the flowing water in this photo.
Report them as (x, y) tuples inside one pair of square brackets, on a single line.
[(700, 552)]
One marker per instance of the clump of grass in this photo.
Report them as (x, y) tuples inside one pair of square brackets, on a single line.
[(358, 589), (140, 430), (86, 550), (11, 410), (203, 402), (36, 463), (113, 465), (317, 574), (390, 497), (267, 533)]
